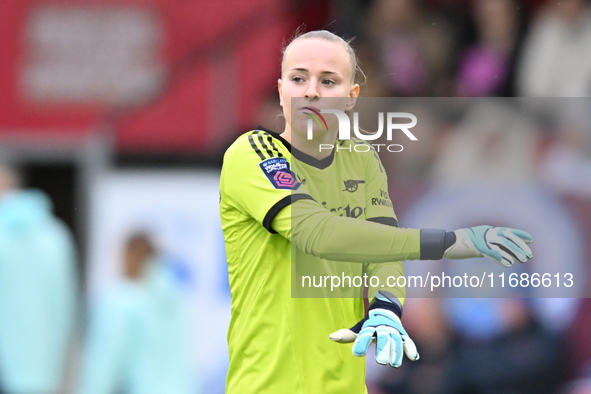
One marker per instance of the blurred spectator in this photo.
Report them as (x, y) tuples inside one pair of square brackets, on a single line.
[(137, 341), (37, 290), (414, 47), (493, 143), (523, 358), (486, 67), (373, 81), (557, 53), (568, 159), (516, 356)]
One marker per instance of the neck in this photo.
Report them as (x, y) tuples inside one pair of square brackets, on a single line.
[(311, 147)]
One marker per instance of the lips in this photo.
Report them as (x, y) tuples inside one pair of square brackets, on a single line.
[(312, 109)]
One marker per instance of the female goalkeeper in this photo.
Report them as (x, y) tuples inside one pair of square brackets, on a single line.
[(278, 191)]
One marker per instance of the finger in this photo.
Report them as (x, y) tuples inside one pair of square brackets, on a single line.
[(343, 336), (383, 346), (396, 354), (523, 235), (410, 349), (507, 259), (518, 242), (362, 342), (508, 245)]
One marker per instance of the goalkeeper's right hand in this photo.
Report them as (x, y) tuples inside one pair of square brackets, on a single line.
[(501, 244)]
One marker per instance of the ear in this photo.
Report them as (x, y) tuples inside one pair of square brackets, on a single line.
[(280, 90), (353, 94)]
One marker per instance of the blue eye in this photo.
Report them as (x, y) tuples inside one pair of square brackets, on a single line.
[(297, 79), (328, 82)]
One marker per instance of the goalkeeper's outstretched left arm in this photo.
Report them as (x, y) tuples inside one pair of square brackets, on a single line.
[(321, 233)]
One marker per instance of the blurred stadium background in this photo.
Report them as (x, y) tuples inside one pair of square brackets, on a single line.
[(120, 111)]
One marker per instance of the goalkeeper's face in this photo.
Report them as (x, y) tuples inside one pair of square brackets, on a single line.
[(319, 71)]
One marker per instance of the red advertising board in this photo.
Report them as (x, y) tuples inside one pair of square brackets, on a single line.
[(164, 76)]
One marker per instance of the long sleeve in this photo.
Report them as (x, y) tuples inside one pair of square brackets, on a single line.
[(319, 232)]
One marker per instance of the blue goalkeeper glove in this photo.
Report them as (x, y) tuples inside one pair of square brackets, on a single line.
[(383, 325), (501, 244)]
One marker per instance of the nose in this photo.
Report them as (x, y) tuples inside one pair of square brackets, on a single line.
[(311, 90)]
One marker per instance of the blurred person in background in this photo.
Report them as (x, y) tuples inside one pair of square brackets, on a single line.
[(565, 168), (492, 143), (502, 348), (556, 59), (415, 47), (37, 290), (478, 346), (137, 342), (567, 160), (486, 67)]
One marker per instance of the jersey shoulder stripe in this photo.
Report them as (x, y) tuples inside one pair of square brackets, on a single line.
[(269, 139), (266, 142), (255, 147), (262, 143)]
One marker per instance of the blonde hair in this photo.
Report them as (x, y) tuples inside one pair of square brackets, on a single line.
[(356, 71)]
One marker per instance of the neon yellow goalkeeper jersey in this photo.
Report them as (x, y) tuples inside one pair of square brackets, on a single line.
[(279, 344)]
